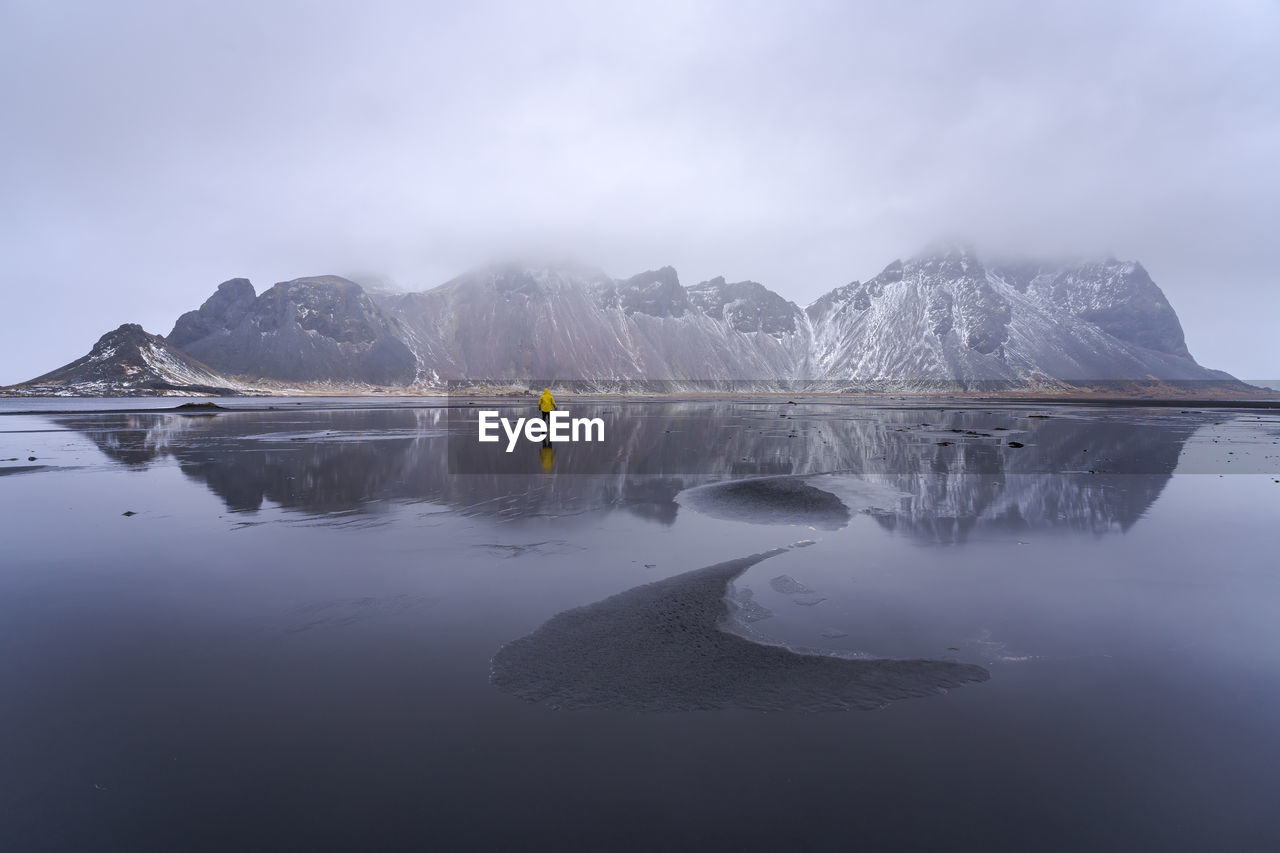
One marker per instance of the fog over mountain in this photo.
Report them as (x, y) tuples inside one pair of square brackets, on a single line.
[(941, 321), (155, 149)]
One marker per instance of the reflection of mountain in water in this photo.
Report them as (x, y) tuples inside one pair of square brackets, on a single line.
[(955, 469), (950, 509), (974, 486)]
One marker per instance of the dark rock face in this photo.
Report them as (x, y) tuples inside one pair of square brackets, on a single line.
[(746, 305), (230, 304), (941, 320), (941, 308), (957, 297), (308, 329), (946, 317), (985, 314), (1118, 297), (1123, 301), (657, 293), (129, 362), (941, 317)]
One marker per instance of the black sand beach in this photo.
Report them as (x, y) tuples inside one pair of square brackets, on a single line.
[(325, 626)]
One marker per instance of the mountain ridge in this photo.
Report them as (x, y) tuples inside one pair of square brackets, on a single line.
[(129, 361), (941, 318)]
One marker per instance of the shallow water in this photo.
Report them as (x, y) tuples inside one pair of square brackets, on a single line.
[(289, 643)]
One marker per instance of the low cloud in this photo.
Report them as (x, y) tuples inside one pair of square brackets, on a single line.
[(153, 151)]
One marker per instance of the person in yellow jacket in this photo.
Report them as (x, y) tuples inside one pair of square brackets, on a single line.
[(547, 404)]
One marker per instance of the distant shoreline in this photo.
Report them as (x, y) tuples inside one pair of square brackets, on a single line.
[(445, 401)]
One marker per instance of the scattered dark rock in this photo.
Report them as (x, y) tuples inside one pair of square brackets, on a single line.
[(1016, 444), (788, 585), (31, 459), (199, 407), (128, 513), (944, 444), (772, 500)]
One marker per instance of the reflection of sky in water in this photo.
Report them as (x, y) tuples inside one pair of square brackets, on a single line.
[(299, 611)]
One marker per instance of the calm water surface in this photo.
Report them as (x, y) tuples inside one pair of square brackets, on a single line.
[(288, 644)]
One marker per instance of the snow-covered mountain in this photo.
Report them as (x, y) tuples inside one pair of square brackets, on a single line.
[(129, 362), (571, 323), (944, 320), (947, 317)]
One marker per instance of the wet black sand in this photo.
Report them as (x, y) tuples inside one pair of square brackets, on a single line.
[(660, 647), (294, 641)]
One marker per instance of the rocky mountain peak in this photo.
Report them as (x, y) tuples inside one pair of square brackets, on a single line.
[(747, 306), (942, 261), (236, 288), (228, 305), (942, 317), (317, 328), (124, 333), (1121, 299), (656, 293), (129, 361)]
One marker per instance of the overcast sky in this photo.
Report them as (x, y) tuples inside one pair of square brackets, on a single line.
[(150, 150)]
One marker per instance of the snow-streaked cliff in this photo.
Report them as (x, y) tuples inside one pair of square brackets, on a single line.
[(944, 320), (129, 361), (948, 317)]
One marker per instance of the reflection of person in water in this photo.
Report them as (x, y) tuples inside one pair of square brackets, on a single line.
[(547, 404)]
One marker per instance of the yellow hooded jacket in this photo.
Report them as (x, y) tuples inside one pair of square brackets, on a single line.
[(546, 402)]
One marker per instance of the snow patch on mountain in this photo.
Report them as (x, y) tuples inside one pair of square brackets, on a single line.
[(947, 317), (941, 320), (129, 361)]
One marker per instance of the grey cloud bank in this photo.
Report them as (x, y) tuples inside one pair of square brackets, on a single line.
[(152, 151)]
